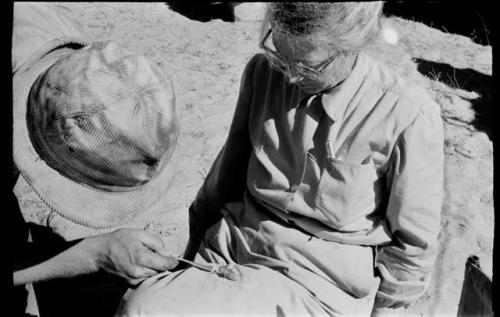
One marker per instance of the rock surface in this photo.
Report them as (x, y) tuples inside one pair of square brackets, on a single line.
[(205, 61)]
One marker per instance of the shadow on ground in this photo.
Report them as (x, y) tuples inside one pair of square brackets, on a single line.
[(471, 19), (465, 79), (203, 12)]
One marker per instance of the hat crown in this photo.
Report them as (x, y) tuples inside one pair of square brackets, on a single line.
[(104, 117)]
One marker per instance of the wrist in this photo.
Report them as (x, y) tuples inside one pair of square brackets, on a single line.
[(90, 253), (72, 262)]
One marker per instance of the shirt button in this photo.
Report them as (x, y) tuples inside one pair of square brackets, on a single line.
[(293, 188)]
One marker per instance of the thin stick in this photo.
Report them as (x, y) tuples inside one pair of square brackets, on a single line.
[(204, 267)]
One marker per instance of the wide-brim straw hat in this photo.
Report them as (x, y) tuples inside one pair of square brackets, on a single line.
[(78, 196)]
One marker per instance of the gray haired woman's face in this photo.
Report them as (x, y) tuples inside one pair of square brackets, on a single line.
[(307, 53)]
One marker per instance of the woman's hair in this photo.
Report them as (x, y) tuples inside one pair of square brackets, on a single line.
[(346, 26)]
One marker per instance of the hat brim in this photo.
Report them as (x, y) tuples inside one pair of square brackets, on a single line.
[(76, 202)]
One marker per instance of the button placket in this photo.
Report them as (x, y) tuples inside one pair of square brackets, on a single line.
[(292, 190), (294, 187)]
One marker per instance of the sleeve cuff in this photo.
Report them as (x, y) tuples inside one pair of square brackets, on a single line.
[(394, 293)]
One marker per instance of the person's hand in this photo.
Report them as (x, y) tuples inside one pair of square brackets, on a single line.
[(130, 253)]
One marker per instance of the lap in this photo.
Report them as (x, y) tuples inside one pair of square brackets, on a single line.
[(285, 272), (261, 291)]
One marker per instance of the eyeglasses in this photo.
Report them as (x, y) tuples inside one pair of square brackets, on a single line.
[(280, 63)]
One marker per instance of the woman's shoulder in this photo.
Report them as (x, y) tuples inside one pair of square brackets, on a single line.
[(409, 94), (260, 72), (258, 62)]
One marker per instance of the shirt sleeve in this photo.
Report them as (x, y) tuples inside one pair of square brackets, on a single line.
[(415, 180), (226, 180), (36, 24)]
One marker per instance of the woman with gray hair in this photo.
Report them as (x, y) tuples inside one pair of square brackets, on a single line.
[(326, 197)]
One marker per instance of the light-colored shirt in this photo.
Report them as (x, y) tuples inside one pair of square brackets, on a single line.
[(362, 164)]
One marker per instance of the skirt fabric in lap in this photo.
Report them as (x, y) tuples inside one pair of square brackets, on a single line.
[(284, 272)]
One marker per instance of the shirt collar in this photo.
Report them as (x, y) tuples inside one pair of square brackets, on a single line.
[(335, 102)]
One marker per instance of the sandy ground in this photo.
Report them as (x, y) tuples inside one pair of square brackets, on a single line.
[(205, 61)]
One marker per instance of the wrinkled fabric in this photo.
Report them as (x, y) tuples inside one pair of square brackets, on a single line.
[(380, 186), (193, 292), (277, 277)]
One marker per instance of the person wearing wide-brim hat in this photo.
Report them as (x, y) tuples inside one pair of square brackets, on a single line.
[(94, 131)]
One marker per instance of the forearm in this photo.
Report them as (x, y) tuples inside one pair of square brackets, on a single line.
[(401, 287), (74, 261), (405, 265), (28, 254)]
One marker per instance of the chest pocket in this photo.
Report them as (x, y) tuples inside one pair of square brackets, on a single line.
[(346, 191)]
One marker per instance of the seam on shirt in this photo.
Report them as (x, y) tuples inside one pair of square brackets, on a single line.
[(248, 80), (418, 105)]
